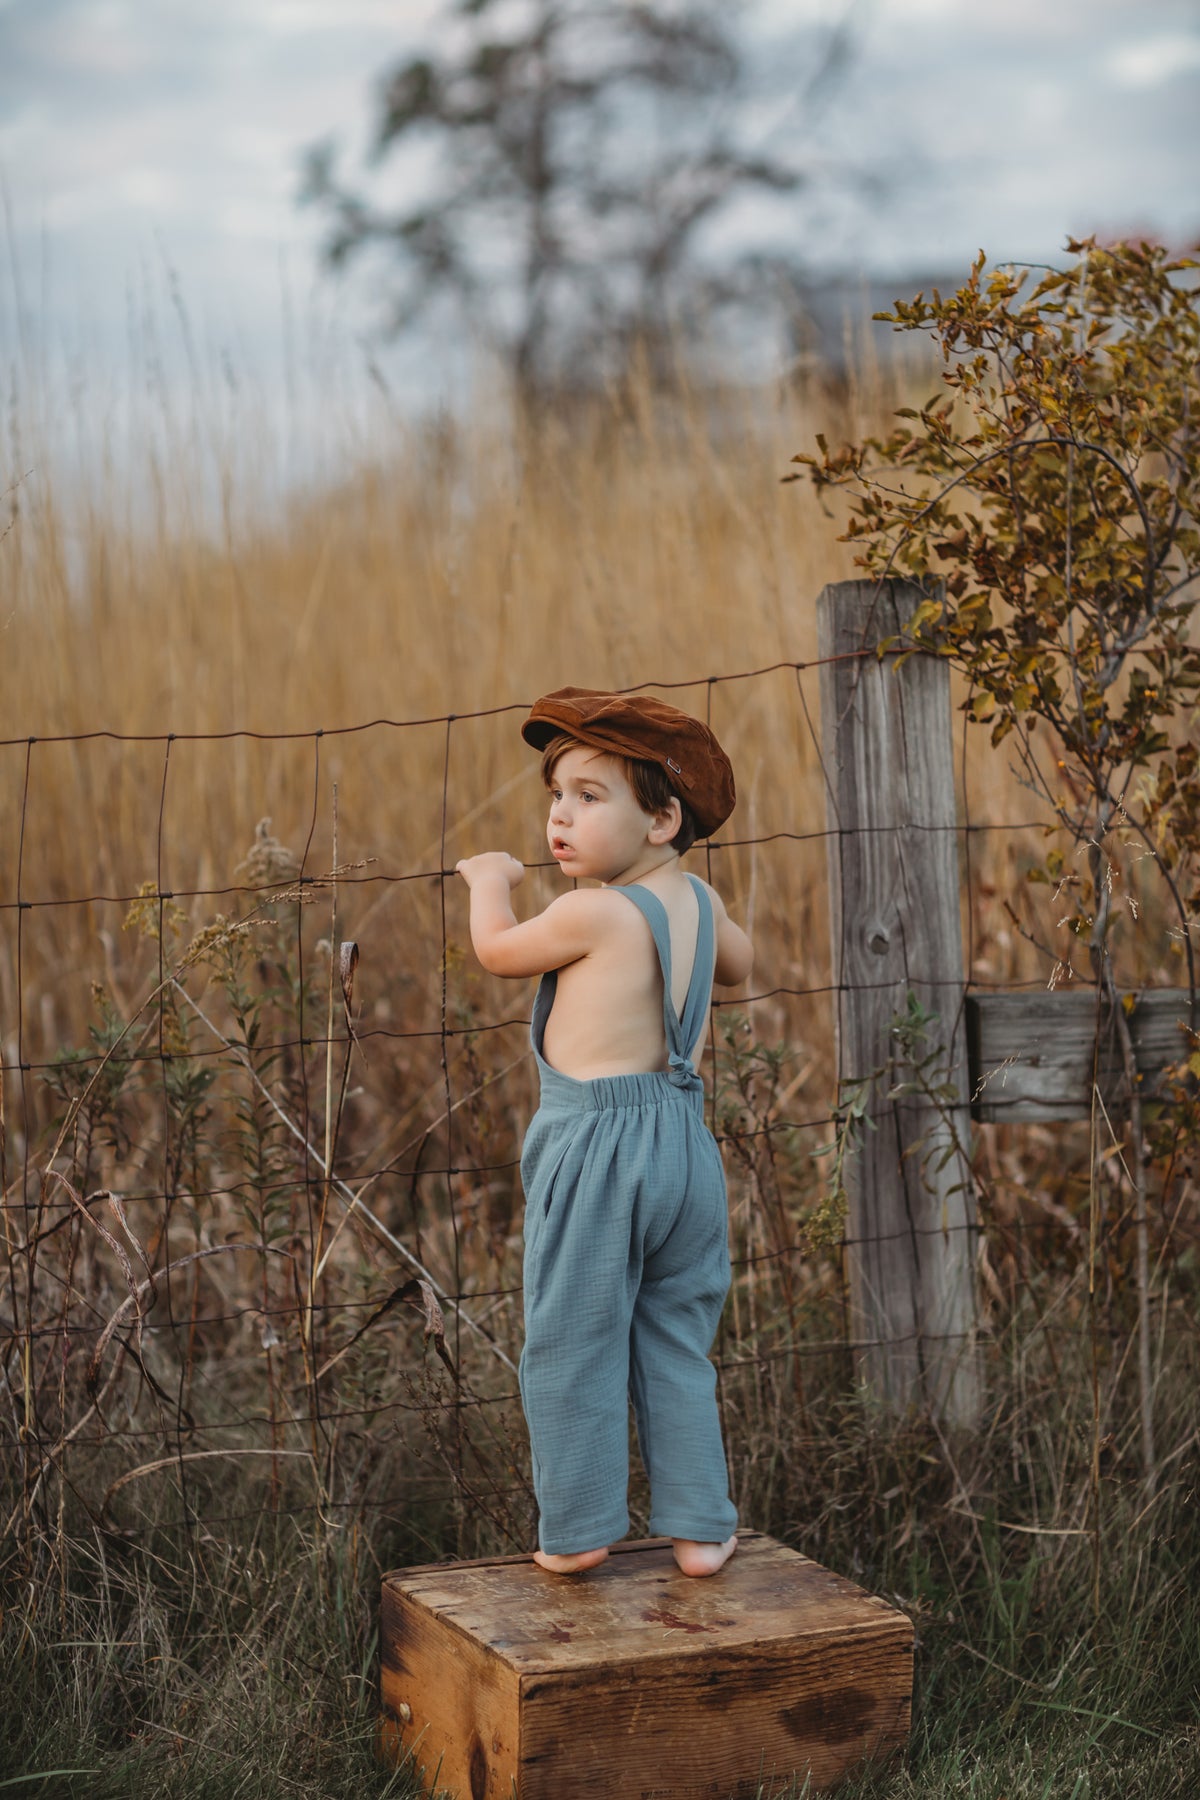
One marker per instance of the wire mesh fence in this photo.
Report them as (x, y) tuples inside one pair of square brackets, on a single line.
[(262, 1118)]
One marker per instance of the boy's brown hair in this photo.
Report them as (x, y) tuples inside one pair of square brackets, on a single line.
[(647, 781)]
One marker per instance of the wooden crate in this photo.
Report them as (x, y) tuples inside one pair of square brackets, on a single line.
[(631, 1682)]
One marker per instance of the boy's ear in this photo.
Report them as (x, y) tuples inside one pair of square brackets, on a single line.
[(667, 822)]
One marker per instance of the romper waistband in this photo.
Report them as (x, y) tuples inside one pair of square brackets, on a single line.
[(653, 1087)]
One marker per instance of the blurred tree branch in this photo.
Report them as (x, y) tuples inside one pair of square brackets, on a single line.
[(558, 165)]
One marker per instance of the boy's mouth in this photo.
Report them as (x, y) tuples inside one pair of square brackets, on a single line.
[(560, 847)]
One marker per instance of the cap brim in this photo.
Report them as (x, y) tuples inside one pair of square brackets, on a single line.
[(538, 732)]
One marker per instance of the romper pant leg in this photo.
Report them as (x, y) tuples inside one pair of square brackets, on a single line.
[(685, 1279), (579, 1293), (626, 1272)]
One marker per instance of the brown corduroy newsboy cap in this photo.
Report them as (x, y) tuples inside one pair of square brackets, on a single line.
[(648, 730)]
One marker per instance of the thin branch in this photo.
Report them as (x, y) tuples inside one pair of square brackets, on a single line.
[(347, 1195)]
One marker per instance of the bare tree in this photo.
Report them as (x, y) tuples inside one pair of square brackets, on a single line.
[(560, 165)]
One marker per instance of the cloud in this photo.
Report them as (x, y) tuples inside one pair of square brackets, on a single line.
[(1149, 62), (134, 132)]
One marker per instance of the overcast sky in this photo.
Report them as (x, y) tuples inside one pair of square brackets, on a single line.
[(145, 142)]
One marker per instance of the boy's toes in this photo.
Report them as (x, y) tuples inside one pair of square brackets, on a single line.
[(702, 1559), (569, 1565)]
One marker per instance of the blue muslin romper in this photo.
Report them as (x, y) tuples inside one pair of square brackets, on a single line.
[(626, 1272)]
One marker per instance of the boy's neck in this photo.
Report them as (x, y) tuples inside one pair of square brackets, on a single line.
[(653, 861)]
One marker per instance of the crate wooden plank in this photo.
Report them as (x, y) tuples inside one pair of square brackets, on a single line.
[(450, 1698), (632, 1681), (1032, 1054)]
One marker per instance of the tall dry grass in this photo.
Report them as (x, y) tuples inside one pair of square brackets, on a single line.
[(462, 565), (270, 1406)]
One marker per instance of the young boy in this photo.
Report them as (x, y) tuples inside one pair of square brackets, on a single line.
[(626, 1231)]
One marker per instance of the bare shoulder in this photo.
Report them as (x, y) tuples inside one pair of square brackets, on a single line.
[(588, 917), (597, 907)]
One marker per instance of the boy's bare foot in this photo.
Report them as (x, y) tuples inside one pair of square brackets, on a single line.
[(702, 1559), (569, 1565)]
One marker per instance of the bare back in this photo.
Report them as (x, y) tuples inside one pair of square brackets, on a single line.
[(607, 1017)]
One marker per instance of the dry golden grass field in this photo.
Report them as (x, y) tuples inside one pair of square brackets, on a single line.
[(207, 1345), (455, 569)]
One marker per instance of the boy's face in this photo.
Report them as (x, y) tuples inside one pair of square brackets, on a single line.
[(596, 830)]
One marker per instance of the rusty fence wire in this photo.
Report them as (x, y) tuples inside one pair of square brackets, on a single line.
[(262, 1117)]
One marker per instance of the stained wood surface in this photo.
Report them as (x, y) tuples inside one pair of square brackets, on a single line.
[(632, 1681), (887, 754), (638, 1607), (1032, 1055)]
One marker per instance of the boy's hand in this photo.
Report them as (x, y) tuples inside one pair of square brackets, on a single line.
[(491, 862)]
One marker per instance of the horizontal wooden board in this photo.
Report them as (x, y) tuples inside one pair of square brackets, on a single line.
[(726, 1727), (1032, 1055)]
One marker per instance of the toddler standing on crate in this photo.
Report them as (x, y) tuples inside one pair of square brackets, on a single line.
[(626, 1229)]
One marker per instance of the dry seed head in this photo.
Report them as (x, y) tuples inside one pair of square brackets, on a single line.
[(146, 911), (269, 863), (213, 937), (174, 1037)]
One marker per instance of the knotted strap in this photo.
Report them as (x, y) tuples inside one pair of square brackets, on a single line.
[(681, 1072)]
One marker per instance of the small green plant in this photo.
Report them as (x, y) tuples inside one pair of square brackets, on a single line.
[(851, 1117), (1053, 485)]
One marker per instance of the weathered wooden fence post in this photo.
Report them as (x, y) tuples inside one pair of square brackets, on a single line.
[(896, 932)]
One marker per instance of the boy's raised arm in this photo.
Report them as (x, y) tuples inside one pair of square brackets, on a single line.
[(562, 934), (735, 952)]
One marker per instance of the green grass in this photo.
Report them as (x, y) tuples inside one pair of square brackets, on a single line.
[(179, 1665), (157, 1660)]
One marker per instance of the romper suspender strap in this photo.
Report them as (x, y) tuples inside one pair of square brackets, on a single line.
[(681, 1033)]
